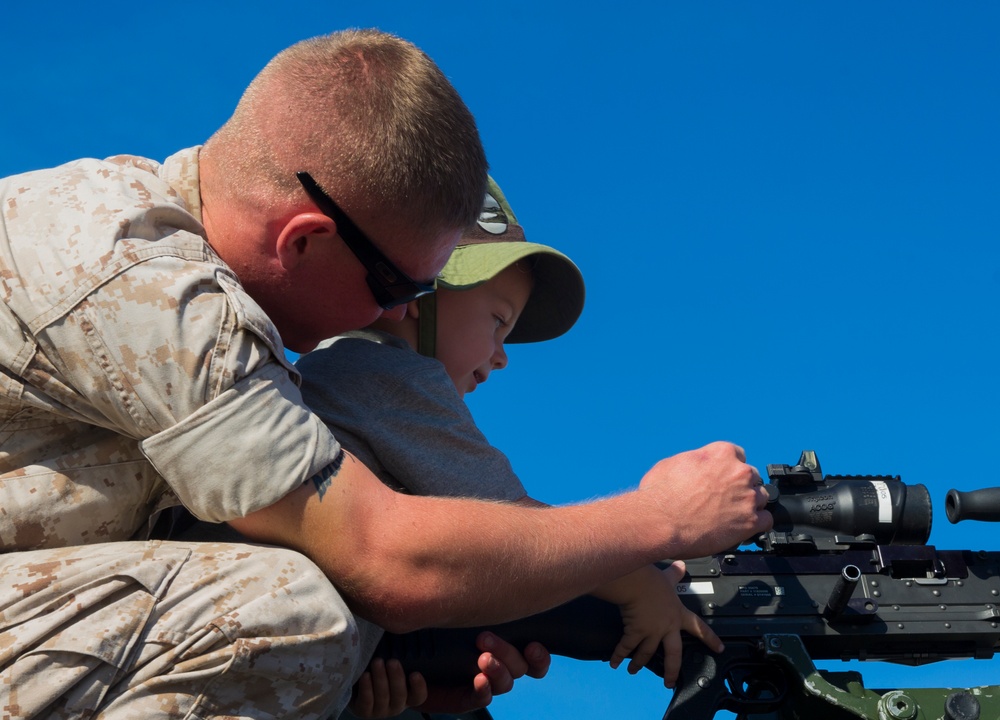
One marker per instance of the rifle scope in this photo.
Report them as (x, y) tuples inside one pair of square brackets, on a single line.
[(833, 512), (878, 509)]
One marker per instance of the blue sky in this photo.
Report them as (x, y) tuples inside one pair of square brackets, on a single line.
[(786, 214)]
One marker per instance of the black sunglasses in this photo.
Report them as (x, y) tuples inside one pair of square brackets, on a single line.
[(390, 285)]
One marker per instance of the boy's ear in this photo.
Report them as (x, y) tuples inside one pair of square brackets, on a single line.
[(413, 309)]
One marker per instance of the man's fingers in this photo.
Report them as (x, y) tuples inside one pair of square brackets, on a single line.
[(765, 521)]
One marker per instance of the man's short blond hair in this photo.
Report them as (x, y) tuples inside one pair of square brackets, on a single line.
[(371, 117)]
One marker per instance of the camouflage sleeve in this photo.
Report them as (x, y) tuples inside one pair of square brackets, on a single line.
[(119, 315), (173, 353)]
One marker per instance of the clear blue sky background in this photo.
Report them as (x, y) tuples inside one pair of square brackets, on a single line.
[(786, 214)]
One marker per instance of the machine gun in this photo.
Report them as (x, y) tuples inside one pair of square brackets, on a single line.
[(844, 574)]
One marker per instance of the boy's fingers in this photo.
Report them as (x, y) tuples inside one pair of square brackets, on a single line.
[(642, 654), (418, 692), (482, 688), (504, 653), (675, 571), (395, 701), (671, 659), (498, 676), (696, 626), (622, 650), (539, 659), (361, 703), (380, 687)]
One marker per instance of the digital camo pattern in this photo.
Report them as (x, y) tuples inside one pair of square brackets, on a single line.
[(133, 367), (171, 630)]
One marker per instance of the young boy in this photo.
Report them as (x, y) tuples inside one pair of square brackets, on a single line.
[(401, 412)]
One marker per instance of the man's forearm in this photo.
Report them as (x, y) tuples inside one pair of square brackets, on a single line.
[(413, 561), (407, 562)]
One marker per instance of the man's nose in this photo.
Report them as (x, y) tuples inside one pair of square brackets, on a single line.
[(395, 314)]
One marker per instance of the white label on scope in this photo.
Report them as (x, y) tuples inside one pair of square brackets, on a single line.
[(884, 501)]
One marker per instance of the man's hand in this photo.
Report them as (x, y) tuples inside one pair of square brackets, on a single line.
[(711, 497), (384, 690), (499, 666)]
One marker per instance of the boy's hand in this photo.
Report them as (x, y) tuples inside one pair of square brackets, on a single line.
[(654, 617), (384, 690)]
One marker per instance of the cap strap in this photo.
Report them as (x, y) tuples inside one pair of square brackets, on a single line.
[(427, 324), (475, 235)]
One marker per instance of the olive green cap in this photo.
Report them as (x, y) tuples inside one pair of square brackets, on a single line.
[(495, 242)]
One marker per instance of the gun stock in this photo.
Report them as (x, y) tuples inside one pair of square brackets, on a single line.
[(584, 629)]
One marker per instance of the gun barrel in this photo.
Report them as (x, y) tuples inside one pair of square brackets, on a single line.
[(981, 504)]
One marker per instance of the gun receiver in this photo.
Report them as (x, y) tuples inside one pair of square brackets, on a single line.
[(844, 574)]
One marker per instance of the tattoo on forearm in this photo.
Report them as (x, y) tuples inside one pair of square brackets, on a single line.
[(324, 478)]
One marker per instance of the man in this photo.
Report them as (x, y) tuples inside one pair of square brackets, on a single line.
[(142, 367)]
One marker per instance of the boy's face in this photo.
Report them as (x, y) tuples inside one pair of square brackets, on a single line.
[(473, 324)]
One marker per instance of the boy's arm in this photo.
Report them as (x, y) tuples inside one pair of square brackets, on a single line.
[(408, 562)]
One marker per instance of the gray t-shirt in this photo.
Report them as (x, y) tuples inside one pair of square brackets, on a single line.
[(399, 414)]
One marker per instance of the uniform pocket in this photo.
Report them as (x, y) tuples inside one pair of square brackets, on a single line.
[(71, 618)]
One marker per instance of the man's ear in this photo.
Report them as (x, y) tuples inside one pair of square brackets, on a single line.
[(413, 309), (300, 236)]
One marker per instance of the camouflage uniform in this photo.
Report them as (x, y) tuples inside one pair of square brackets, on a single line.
[(136, 374)]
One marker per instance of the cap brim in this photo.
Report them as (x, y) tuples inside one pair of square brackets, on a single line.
[(556, 299)]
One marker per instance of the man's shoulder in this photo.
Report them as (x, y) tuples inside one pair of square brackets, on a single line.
[(128, 177), (70, 229), (88, 193)]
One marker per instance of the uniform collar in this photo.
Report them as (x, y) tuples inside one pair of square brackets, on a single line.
[(180, 171)]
